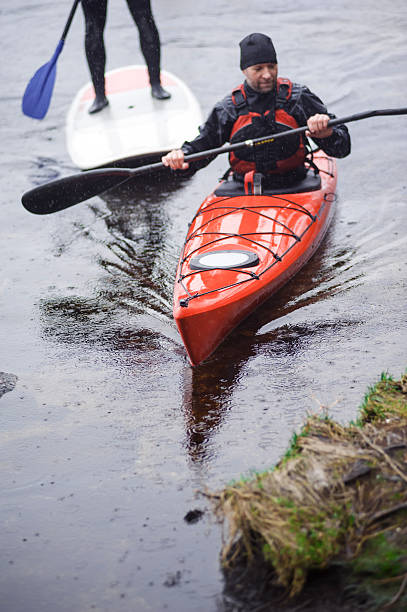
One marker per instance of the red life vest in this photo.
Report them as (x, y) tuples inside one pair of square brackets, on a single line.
[(278, 157)]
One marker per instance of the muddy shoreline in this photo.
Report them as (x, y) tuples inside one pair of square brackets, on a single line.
[(326, 527)]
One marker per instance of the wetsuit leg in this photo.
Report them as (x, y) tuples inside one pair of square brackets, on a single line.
[(149, 43), (95, 20)]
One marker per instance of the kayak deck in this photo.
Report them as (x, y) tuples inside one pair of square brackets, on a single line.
[(240, 249)]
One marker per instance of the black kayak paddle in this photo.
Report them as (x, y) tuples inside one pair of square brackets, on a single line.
[(65, 192)]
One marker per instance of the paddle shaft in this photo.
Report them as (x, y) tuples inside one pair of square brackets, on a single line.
[(38, 93), (267, 139), (63, 193), (69, 21)]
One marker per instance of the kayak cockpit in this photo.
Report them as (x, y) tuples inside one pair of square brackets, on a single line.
[(232, 187)]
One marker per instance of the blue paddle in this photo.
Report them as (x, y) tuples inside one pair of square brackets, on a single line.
[(37, 95)]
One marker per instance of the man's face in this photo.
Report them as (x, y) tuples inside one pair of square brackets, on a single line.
[(262, 77)]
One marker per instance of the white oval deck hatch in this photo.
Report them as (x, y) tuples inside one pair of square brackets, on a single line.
[(224, 260)]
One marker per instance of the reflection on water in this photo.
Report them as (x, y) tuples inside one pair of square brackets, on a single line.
[(138, 261), (133, 246), (208, 388), (138, 244), (137, 255), (207, 397), (88, 321)]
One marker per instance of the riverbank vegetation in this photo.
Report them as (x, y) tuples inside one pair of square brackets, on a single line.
[(332, 512)]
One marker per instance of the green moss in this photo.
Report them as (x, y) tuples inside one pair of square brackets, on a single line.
[(285, 502), (305, 513), (379, 558), (382, 400), (317, 536), (378, 571), (294, 449)]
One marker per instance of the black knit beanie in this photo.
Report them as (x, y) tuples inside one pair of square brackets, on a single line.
[(256, 49)]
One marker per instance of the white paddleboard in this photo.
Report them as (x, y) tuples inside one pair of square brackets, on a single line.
[(134, 124)]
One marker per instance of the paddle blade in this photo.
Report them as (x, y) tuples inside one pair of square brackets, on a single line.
[(38, 93), (63, 193)]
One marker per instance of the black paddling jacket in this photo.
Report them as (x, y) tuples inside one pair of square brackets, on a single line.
[(247, 114)]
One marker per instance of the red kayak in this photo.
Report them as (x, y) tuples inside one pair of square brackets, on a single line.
[(242, 248)]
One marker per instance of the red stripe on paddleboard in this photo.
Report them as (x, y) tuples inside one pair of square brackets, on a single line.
[(126, 80)]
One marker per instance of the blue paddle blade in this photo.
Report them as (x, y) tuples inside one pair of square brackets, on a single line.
[(38, 93)]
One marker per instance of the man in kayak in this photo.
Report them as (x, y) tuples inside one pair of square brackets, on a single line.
[(265, 104), (95, 20)]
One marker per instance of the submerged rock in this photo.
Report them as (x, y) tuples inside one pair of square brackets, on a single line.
[(7, 382)]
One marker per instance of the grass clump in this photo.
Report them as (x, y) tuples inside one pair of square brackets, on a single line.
[(338, 496)]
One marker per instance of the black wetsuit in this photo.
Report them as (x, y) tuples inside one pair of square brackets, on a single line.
[(95, 20)]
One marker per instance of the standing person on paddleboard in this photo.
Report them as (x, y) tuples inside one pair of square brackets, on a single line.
[(95, 20), (265, 104)]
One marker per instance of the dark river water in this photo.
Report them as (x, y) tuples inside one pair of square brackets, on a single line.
[(107, 433)]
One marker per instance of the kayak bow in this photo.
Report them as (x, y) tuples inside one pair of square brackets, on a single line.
[(240, 249)]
